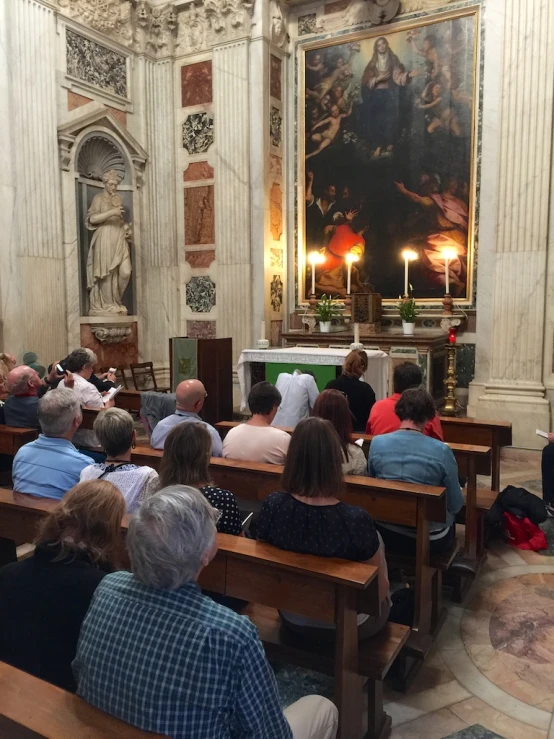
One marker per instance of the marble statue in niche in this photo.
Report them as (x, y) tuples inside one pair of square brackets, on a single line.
[(109, 258)]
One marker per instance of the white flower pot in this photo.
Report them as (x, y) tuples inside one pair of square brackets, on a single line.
[(325, 327), (408, 328)]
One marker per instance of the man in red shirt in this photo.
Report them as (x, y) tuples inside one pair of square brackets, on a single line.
[(383, 419)]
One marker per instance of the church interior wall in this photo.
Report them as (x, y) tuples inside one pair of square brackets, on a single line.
[(211, 102)]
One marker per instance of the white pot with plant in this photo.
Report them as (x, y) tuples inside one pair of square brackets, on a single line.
[(325, 310), (408, 313)]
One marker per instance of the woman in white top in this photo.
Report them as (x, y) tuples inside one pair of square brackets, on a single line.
[(332, 405), (114, 429)]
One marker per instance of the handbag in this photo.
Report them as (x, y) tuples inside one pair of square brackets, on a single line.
[(523, 533)]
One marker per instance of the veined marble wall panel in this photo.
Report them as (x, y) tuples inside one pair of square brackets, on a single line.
[(42, 322), (232, 193)]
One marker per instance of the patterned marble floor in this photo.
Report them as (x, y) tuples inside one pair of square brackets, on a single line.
[(491, 671)]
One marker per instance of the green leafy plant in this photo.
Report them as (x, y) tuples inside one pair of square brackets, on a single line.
[(326, 309), (408, 310)]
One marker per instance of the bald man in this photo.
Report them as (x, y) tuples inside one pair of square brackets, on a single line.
[(20, 408), (191, 395)]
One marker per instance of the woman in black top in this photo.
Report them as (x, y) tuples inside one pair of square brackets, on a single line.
[(44, 599), (186, 460), (360, 395), (309, 518)]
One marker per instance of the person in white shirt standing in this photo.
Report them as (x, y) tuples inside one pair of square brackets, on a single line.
[(298, 395), (81, 363)]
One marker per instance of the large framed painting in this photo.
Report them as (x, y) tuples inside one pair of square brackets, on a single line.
[(386, 159)]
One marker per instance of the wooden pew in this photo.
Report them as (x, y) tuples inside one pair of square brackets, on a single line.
[(12, 438), (33, 709), (386, 500), (495, 434), (331, 590), (129, 400), (468, 457)]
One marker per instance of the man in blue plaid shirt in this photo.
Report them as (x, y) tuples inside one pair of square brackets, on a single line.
[(158, 654)]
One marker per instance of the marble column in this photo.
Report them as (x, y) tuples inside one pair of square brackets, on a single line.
[(232, 193), (158, 282), (33, 308), (514, 389)]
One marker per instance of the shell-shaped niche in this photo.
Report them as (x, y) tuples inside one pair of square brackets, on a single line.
[(98, 154)]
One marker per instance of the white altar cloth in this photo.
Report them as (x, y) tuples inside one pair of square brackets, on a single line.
[(377, 374)]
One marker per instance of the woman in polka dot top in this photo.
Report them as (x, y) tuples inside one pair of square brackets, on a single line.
[(186, 460)]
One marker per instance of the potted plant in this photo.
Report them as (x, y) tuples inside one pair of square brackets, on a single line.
[(408, 313), (325, 310)]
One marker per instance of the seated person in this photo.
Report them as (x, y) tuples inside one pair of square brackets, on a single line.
[(44, 599), (20, 407), (186, 461), (7, 364), (359, 394), (102, 383), (333, 406), (308, 517), (256, 440), (410, 456), (547, 468), (81, 364), (115, 431), (190, 397), (298, 395), (51, 465), (383, 419), (157, 653)]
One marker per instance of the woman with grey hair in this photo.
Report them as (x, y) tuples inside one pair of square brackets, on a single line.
[(115, 431)]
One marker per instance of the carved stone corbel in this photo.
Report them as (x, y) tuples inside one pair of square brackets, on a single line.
[(65, 143), (139, 164), (111, 334)]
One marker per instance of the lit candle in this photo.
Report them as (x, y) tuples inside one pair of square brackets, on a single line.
[(350, 259), (409, 256), (356, 333), (448, 254), (314, 258), (452, 335), (262, 331)]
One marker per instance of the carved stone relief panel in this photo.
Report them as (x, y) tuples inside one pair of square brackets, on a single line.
[(276, 293), (200, 292), (96, 64), (198, 132), (307, 24), (275, 125), (214, 22)]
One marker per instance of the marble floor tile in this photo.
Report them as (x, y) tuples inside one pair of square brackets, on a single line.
[(434, 725), (426, 701), (475, 732), (475, 710)]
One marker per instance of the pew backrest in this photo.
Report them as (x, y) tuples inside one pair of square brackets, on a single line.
[(12, 438)]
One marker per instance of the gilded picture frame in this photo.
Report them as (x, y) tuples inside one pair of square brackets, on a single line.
[(387, 159)]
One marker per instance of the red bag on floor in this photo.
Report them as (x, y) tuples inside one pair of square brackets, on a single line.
[(523, 533)]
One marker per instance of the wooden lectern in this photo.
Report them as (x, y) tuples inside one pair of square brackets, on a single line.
[(210, 361)]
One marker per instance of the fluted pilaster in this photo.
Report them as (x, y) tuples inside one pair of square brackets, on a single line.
[(232, 193), (515, 388), (33, 301), (158, 305)]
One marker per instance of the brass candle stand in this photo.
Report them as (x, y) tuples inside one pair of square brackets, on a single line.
[(450, 382)]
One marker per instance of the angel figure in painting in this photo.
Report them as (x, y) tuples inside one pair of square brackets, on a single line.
[(109, 258), (326, 137)]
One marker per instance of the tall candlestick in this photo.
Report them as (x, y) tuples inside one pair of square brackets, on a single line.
[(448, 254), (409, 256), (350, 259), (262, 331), (356, 333), (314, 258)]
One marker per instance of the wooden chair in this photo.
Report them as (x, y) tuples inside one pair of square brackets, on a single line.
[(34, 709), (143, 372)]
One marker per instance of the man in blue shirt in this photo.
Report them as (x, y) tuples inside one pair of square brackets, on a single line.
[(157, 653), (410, 456), (51, 465), (190, 397)]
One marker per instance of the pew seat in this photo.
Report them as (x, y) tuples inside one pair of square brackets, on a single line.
[(12, 438), (33, 709)]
